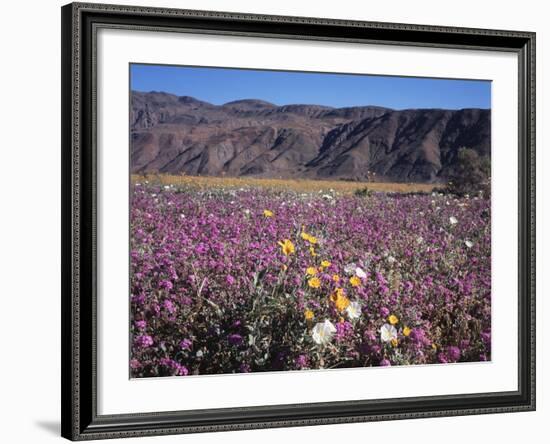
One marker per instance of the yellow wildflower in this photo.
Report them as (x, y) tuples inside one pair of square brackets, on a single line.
[(308, 314), (337, 293), (342, 303), (325, 264), (340, 300), (308, 237), (394, 342), (287, 246), (314, 282), (392, 319), (268, 213), (312, 251), (335, 278), (311, 271), (354, 281), (406, 331)]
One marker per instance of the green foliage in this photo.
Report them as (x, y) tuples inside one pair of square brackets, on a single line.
[(363, 192), (472, 174)]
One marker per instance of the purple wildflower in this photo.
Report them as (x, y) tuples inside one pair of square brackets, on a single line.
[(453, 353), (144, 341), (166, 284), (301, 362), (235, 339), (186, 344)]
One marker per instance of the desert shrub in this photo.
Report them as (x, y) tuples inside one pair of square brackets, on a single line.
[(471, 175), (409, 193), (363, 192)]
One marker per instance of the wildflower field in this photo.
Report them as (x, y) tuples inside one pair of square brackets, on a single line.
[(241, 277)]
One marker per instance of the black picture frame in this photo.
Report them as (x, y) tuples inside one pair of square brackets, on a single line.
[(80, 420)]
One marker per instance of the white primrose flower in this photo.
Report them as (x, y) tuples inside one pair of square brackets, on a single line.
[(391, 259), (469, 244), (323, 332), (453, 220), (349, 269), (388, 332), (360, 273), (354, 310)]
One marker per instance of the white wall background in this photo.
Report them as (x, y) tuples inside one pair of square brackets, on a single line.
[(30, 219)]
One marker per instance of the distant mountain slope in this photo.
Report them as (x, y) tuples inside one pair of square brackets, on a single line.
[(172, 134)]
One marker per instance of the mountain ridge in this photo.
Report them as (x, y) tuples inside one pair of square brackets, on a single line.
[(251, 137)]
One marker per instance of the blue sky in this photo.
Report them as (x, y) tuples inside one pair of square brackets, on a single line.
[(222, 85)]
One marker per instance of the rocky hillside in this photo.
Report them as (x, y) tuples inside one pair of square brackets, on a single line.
[(172, 134)]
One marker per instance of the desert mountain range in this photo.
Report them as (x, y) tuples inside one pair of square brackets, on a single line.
[(173, 134)]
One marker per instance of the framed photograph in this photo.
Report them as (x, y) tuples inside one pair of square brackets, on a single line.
[(282, 221)]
